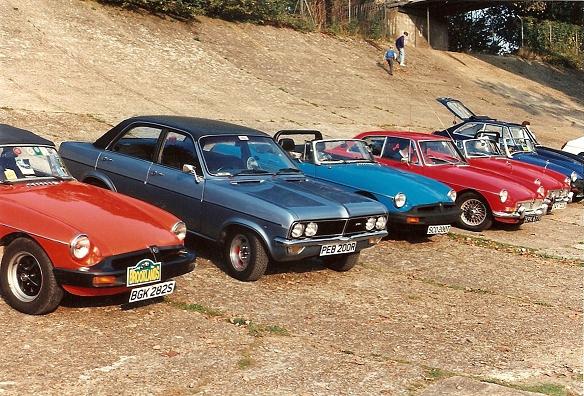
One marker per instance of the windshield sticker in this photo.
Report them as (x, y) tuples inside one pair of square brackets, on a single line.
[(24, 166), (9, 174), (243, 138), (30, 151), (37, 151), (17, 150), (44, 151)]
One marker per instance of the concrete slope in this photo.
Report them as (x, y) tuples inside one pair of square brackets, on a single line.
[(70, 68)]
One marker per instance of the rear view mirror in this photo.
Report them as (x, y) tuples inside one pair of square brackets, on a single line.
[(190, 169)]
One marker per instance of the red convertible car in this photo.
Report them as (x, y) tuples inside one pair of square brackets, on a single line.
[(482, 196), (485, 154), (61, 235)]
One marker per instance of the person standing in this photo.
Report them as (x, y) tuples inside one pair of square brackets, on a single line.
[(400, 44), (390, 56)]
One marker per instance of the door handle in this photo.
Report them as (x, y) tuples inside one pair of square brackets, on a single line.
[(108, 159), (156, 173)]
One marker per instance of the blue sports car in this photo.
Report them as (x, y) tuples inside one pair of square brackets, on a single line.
[(414, 202), (516, 141), (232, 185)]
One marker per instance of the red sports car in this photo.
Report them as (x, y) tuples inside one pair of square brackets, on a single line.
[(482, 196), (61, 235), (485, 154)]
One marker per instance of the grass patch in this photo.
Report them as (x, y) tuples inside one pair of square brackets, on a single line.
[(196, 308), (546, 389), (258, 330), (245, 362), (435, 374)]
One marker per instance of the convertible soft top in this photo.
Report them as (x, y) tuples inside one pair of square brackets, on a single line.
[(13, 135), (196, 127)]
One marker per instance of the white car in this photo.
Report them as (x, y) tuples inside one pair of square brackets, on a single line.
[(575, 146)]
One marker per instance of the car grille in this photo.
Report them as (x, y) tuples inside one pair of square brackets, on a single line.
[(433, 209), (531, 205), (555, 193), (331, 228), (124, 261)]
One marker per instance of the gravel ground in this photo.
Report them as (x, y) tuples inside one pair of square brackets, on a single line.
[(493, 313)]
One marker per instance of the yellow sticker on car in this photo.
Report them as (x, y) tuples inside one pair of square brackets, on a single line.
[(146, 271)]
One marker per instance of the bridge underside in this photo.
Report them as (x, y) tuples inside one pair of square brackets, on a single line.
[(441, 7)]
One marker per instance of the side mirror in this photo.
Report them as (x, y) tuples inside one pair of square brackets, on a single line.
[(190, 169)]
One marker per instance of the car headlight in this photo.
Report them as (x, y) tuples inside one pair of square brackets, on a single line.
[(541, 191), (297, 230), (399, 200), (503, 195), (180, 230), (370, 223), (573, 176), (80, 246), (380, 223), (537, 182), (311, 229), (452, 195)]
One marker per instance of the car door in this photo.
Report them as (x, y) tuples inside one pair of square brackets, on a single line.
[(400, 153), (171, 188), (127, 160)]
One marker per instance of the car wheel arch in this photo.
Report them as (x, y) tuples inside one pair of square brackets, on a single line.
[(8, 238), (233, 226), (479, 193), (99, 181)]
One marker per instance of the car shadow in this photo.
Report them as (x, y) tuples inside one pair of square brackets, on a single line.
[(121, 300), (407, 236)]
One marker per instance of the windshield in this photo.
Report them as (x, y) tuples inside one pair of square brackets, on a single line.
[(332, 151), (29, 163), (440, 152), (517, 139), (475, 148), (244, 155)]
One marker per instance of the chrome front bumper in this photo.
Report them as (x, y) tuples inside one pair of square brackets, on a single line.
[(337, 239), (521, 212)]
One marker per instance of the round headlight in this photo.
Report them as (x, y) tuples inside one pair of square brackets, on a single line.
[(573, 176), (311, 229), (180, 230), (80, 246), (370, 223), (541, 191), (380, 223), (399, 200), (503, 194), (297, 230), (452, 195), (537, 181)]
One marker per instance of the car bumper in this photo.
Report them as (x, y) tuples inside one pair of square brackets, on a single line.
[(292, 250), (179, 264), (416, 219), (519, 215)]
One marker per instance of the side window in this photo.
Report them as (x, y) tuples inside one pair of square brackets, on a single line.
[(494, 128), (397, 148), (375, 143), (139, 142), (470, 129), (178, 150)]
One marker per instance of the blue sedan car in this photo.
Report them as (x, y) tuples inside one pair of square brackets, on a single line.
[(414, 202), (232, 185), (516, 141)]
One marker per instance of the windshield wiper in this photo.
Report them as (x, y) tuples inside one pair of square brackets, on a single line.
[(251, 172), (288, 170)]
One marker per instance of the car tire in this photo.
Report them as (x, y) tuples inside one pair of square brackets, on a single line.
[(245, 255), (27, 281), (475, 212), (342, 263)]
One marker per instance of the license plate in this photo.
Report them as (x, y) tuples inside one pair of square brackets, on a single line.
[(532, 218), (438, 229), (152, 291), (339, 248), (559, 205)]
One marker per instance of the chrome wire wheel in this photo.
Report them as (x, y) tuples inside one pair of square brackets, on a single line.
[(240, 252), (474, 212), (25, 277)]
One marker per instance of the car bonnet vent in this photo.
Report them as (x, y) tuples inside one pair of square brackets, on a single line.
[(44, 183)]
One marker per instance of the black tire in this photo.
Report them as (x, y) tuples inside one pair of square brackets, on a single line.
[(245, 256), (475, 213), (576, 200), (342, 263), (27, 280)]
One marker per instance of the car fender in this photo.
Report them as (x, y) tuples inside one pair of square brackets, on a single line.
[(100, 177), (248, 224)]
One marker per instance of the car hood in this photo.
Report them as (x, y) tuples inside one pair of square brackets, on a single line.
[(386, 181), (557, 155), (509, 168), (114, 223), (286, 199), (564, 167)]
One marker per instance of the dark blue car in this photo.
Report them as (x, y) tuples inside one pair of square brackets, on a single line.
[(232, 185), (517, 142)]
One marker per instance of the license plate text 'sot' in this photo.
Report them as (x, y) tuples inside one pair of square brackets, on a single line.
[(438, 229), (152, 291)]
